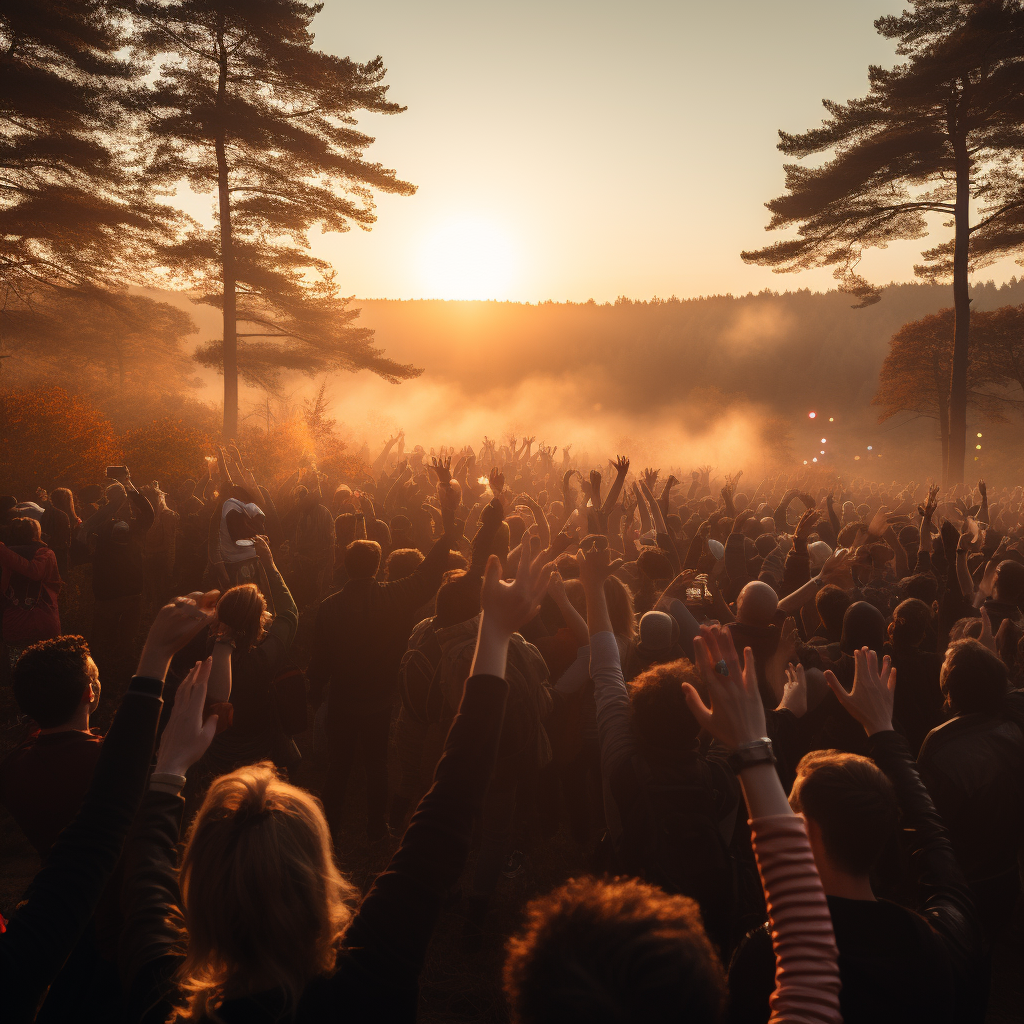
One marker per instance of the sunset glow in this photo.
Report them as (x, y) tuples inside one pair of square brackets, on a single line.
[(468, 259)]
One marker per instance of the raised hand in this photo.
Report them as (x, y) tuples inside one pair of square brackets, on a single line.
[(879, 523), (794, 694), (870, 701), (650, 477), (496, 481), (509, 606), (175, 624), (736, 715), (596, 565), (443, 469), (807, 522), (621, 465), (186, 736)]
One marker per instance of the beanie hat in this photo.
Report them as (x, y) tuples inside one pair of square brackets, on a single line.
[(657, 631)]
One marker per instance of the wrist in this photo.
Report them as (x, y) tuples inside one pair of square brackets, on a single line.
[(153, 664)]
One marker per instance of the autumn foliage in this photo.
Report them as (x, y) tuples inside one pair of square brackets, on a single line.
[(51, 438)]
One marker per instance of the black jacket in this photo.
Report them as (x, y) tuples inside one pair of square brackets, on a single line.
[(897, 965), (375, 978), (973, 766), (63, 896)]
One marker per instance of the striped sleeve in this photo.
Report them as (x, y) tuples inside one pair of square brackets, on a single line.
[(806, 959)]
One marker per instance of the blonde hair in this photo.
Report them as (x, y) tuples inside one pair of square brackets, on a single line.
[(264, 905), (244, 610)]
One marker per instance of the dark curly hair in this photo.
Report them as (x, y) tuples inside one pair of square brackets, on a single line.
[(50, 679), (606, 951)]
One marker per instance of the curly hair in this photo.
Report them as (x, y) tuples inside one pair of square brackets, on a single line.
[(616, 950)]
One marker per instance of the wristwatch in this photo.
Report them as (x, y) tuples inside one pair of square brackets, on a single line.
[(751, 754)]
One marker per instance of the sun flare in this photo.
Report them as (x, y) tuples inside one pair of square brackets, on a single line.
[(468, 259)]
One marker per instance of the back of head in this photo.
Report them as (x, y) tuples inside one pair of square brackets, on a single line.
[(458, 599), (62, 498), (1009, 582), (24, 530), (863, 626), (154, 496), (567, 567), (50, 680), (756, 605), (654, 564), (831, 603), (910, 622), (402, 562), (659, 715), (244, 610), (362, 559), (264, 904), (849, 798), (115, 493), (612, 952), (973, 679), (922, 585)]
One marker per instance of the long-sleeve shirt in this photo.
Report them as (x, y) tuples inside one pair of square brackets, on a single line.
[(806, 959), (29, 588), (63, 895), (375, 977)]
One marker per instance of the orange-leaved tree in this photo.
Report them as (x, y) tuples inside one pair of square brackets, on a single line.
[(50, 438), (169, 450), (915, 374)]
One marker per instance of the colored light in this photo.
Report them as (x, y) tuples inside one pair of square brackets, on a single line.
[(831, 418), (869, 447), (805, 462), (979, 435), (814, 460), (823, 440), (856, 458), (977, 446), (812, 415)]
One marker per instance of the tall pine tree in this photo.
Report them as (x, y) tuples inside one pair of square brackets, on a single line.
[(246, 107), (71, 219), (934, 135)]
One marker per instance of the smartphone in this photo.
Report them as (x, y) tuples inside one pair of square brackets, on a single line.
[(116, 472)]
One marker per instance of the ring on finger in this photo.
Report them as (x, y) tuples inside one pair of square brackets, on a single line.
[(721, 668)]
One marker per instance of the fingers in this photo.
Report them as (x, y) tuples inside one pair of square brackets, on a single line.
[(837, 688), (696, 705)]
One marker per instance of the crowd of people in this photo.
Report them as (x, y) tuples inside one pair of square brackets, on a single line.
[(780, 727)]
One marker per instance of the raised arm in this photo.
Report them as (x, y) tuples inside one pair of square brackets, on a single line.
[(621, 469), (399, 913), (807, 978), (64, 894)]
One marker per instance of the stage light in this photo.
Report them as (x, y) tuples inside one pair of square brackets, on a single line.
[(869, 447), (814, 460), (811, 415)]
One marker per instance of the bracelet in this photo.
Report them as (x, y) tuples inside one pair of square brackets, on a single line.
[(168, 779)]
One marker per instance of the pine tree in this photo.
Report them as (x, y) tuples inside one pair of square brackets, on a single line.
[(246, 107), (71, 218), (934, 134)]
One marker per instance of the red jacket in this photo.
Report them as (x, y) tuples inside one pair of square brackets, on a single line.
[(29, 587)]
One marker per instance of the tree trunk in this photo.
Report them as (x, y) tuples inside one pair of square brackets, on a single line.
[(962, 317), (942, 399), (227, 254), (944, 439)]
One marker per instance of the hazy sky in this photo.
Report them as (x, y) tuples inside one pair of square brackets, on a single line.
[(569, 150)]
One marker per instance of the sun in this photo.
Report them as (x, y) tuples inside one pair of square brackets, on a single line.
[(468, 259)]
